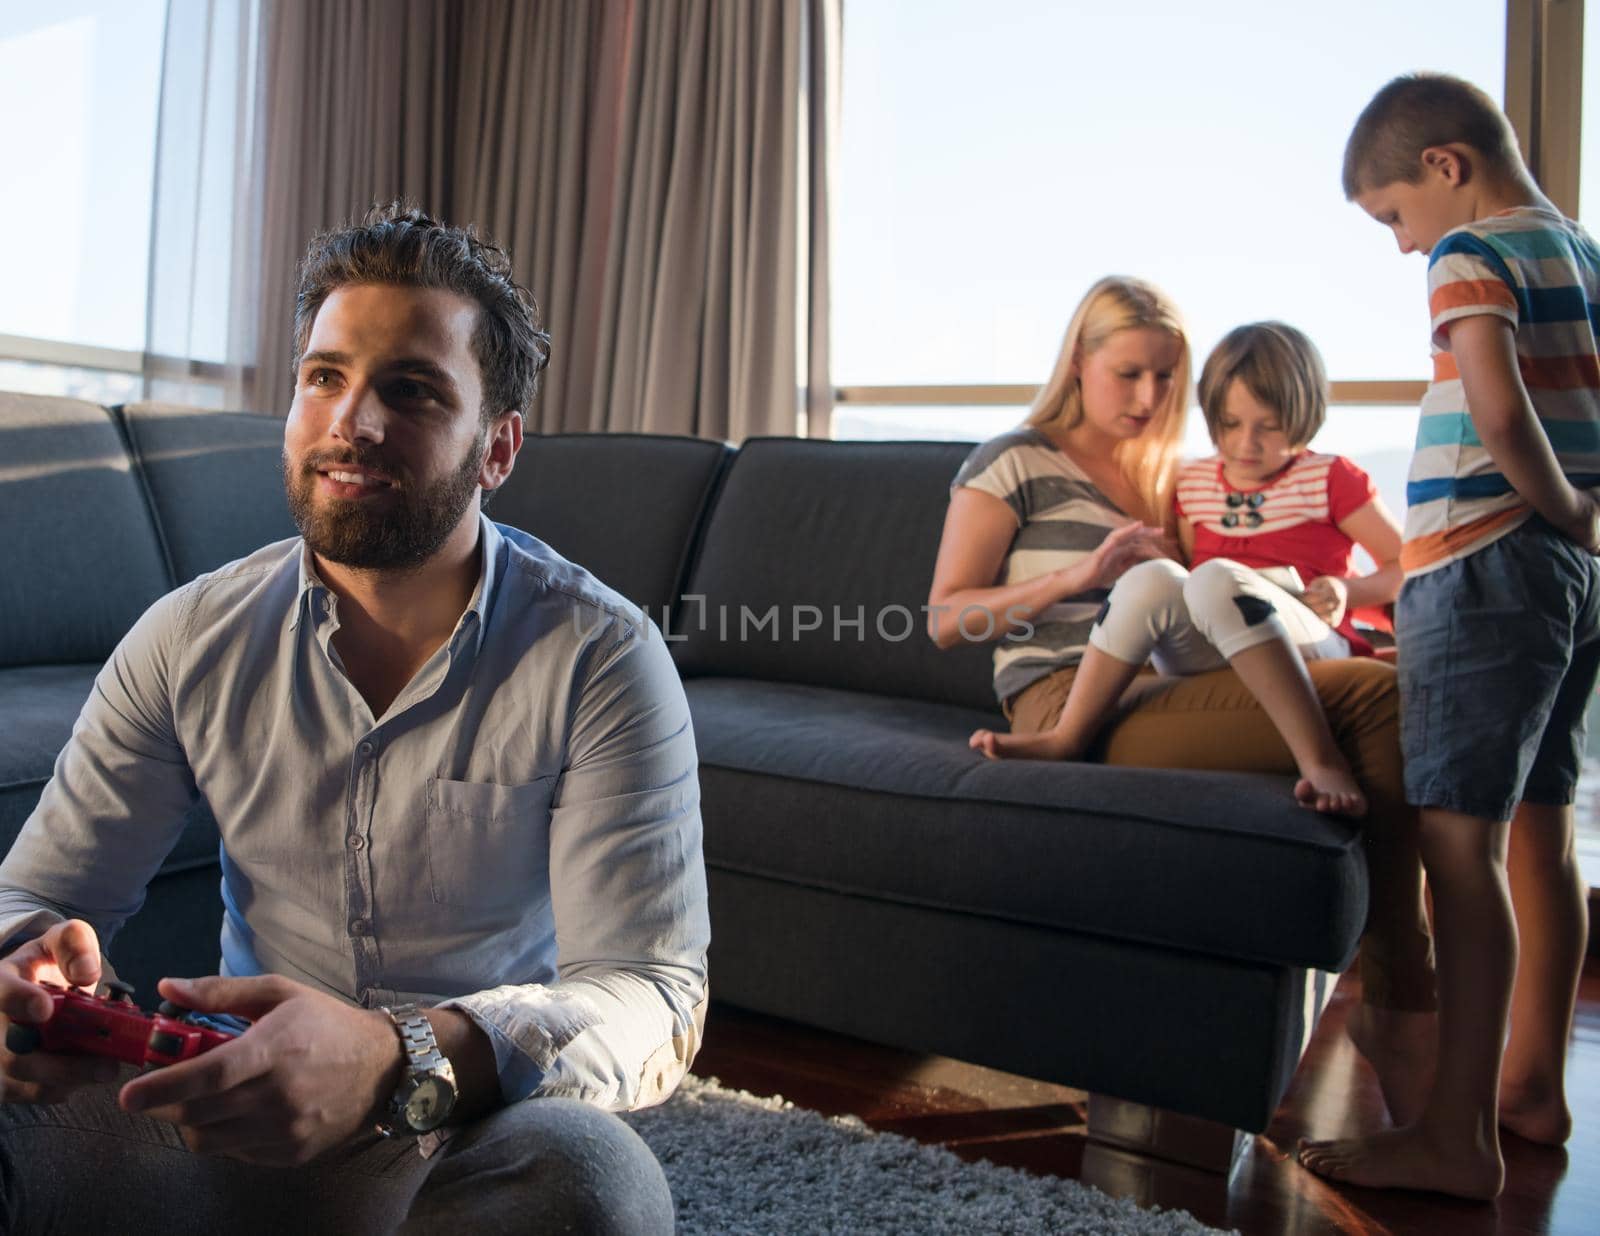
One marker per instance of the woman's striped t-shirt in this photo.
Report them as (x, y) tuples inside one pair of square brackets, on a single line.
[(1541, 273), (1061, 519)]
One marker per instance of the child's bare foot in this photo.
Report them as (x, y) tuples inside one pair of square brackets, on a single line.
[(1402, 1048), (1046, 746), (1408, 1159), (1331, 789), (1535, 1111)]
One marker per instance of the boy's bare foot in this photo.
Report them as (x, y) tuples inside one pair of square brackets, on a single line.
[(1046, 746), (1402, 1048), (1408, 1159), (1536, 1112), (1331, 789)]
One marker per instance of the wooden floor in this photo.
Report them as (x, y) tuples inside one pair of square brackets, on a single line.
[(979, 1113)]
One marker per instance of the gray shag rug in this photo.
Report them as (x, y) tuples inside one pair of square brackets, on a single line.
[(742, 1164)]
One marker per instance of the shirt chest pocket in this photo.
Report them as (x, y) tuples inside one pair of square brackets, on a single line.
[(488, 842)]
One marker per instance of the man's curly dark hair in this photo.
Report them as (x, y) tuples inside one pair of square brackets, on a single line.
[(400, 244)]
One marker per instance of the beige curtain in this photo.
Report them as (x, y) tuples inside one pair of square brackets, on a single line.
[(357, 98), (640, 159), (534, 166), (643, 169), (697, 328)]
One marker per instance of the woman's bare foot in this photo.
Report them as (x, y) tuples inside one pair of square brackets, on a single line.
[(1408, 1159), (1046, 746), (1330, 788), (1402, 1048), (1536, 1112)]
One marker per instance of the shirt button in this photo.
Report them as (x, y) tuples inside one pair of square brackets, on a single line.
[(365, 748), (355, 841), (360, 927)]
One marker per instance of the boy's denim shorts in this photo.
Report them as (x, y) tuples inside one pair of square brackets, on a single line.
[(1498, 654)]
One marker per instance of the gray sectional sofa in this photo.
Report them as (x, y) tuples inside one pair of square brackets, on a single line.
[(1167, 938)]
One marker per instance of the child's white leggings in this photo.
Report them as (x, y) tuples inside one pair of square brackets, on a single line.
[(1188, 622)]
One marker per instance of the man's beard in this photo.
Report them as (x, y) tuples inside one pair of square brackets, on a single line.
[(400, 533)]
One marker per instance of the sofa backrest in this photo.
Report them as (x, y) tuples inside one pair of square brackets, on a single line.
[(808, 537), (215, 481), (627, 507), (80, 558)]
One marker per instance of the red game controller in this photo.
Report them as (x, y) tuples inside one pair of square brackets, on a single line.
[(109, 1023)]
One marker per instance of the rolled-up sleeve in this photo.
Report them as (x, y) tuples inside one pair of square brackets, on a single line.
[(628, 894)]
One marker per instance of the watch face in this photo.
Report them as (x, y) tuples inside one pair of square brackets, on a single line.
[(429, 1104)]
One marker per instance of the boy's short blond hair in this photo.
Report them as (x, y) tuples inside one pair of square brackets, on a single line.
[(1415, 112), (1279, 366)]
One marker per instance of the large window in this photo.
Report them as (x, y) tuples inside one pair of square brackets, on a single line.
[(79, 81), (997, 159), (78, 85)]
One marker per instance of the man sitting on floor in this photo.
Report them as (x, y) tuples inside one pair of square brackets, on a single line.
[(456, 786)]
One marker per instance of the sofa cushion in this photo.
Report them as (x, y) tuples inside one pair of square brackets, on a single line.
[(38, 705), (79, 556), (882, 798), (806, 533), (215, 482), (626, 507)]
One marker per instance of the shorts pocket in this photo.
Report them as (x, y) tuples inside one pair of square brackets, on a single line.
[(487, 843)]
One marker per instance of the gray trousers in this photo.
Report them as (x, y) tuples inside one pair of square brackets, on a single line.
[(545, 1165)]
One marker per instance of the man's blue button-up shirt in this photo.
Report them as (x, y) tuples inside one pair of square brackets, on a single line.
[(517, 836)]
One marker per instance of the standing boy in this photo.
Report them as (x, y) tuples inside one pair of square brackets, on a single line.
[(1498, 622)]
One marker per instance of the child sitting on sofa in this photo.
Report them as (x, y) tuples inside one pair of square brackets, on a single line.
[(1256, 519)]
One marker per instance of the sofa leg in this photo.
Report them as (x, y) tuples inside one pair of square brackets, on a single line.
[(1163, 1134)]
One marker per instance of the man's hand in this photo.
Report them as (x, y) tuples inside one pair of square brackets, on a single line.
[(1327, 597), (69, 956), (307, 1075)]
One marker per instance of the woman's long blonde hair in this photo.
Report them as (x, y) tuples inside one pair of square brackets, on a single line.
[(1150, 461)]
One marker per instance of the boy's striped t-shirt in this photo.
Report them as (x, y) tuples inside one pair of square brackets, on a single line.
[(1541, 273), (1061, 519)]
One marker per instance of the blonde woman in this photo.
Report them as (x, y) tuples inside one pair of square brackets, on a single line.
[(1042, 523), (1045, 519)]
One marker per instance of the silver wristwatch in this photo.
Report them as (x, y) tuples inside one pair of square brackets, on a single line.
[(427, 1089)]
